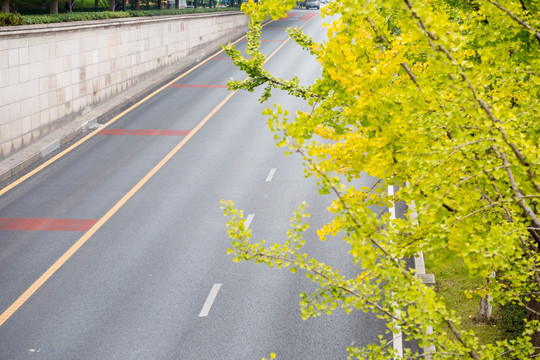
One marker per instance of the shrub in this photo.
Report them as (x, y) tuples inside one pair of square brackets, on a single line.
[(68, 17), (512, 321), (16, 19), (140, 13), (10, 19)]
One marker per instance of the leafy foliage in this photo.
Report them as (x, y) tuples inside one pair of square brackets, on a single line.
[(7, 19), (178, 11), (441, 96), (10, 19), (511, 321), (69, 17)]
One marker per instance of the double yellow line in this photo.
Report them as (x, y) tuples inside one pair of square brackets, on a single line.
[(73, 249)]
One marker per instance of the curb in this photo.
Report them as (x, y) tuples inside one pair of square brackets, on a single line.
[(427, 279), (18, 162)]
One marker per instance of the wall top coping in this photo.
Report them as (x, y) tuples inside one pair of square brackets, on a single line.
[(47, 29)]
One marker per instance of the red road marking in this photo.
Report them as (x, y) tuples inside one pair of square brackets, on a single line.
[(245, 40), (70, 225), (174, 132), (25, 224), (143, 132), (307, 17), (108, 131), (289, 15), (40, 224), (197, 86), (227, 58)]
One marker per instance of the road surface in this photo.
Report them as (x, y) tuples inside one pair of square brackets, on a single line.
[(117, 250)]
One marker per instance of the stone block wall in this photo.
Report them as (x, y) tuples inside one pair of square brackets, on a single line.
[(51, 74)]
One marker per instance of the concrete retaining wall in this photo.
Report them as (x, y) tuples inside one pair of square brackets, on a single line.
[(51, 74)]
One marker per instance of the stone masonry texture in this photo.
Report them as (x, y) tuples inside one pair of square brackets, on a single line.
[(52, 74)]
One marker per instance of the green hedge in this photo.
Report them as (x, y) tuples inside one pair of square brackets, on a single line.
[(512, 321), (67, 17), (140, 13), (11, 19)]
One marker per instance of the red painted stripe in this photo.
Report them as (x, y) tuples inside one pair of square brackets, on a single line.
[(197, 86), (244, 40), (144, 132), (41, 224), (225, 58), (70, 225), (108, 131), (174, 132), (307, 17), (25, 224), (289, 15)]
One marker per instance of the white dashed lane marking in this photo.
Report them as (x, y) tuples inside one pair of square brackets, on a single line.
[(271, 174), (210, 300)]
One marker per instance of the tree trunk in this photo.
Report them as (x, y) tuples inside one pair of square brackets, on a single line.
[(177, 4), (69, 5), (137, 4), (484, 311), (196, 3), (160, 4), (96, 5), (112, 4), (54, 7), (5, 6), (534, 305)]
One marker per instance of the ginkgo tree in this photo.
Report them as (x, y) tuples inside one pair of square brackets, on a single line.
[(440, 97)]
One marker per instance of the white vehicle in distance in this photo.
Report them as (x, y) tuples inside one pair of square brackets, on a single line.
[(312, 4)]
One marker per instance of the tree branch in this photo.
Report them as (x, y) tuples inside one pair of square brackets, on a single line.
[(515, 18), (385, 40), (508, 214), (535, 269), (532, 310), (496, 122), (458, 147), (517, 193), (410, 73), (315, 271), (461, 340), (456, 333), (480, 210), (342, 201)]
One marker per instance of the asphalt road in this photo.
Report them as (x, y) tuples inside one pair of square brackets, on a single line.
[(103, 255)]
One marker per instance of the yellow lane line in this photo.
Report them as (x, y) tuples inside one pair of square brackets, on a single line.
[(43, 278), (73, 249)]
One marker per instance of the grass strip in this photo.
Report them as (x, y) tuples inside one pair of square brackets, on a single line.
[(452, 280)]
